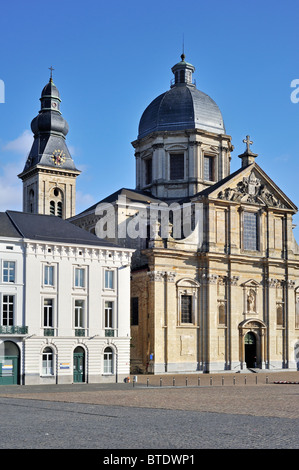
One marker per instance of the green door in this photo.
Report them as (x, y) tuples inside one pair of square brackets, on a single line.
[(9, 364), (79, 373)]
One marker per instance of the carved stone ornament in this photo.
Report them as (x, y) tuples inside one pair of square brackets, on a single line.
[(156, 275), (210, 278), (252, 191), (234, 280)]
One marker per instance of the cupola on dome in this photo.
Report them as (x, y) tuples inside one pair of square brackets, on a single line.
[(182, 107)]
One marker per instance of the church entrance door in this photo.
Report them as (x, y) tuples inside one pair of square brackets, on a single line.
[(250, 350)]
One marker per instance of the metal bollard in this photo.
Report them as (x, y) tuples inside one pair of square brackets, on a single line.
[(245, 379), (256, 379), (186, 381), (160, 382), (211, 380), (198, 381), (234, 380), (222, 381), (147, 381), (173, 381), (267, 379)]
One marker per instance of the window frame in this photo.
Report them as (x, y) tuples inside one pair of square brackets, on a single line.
[(212, 167), (110, 361), (246, 233), (9, 269), (83, 269), (52, 299), (172, 156), (48, 371), (109, 315), (82, 314), (10, 316), (46, 267), (107, 272)]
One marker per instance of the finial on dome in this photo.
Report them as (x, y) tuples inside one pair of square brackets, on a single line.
[(51, 77), (183, 57)]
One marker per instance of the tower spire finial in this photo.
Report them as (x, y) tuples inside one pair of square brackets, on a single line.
[(183, 53), (51, 76)]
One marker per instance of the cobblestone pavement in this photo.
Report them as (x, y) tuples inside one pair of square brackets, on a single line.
[(162, 412), (253, 394)]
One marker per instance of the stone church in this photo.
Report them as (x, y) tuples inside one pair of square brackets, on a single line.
[(214, 280)]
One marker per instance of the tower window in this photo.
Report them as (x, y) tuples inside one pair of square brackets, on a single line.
[(52, 207), (59, 209), (148, 171), (208, 170), (176, 166)]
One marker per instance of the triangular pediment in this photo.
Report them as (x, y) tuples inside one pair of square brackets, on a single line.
[(251, 186)]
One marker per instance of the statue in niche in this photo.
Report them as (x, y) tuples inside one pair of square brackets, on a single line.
[(251, 301)]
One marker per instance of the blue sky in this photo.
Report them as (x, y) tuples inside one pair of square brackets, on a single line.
[(111, 59)]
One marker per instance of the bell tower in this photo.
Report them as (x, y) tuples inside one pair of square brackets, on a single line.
[(49, 175)]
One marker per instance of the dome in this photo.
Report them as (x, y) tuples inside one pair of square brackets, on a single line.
[(182, 107), (50, 90)]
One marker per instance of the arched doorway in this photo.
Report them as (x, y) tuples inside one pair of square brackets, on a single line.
[(250, 349), (79, 365), (9, 363)]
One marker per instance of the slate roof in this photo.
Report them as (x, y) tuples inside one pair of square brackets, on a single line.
[(182, 107), (46, 228)]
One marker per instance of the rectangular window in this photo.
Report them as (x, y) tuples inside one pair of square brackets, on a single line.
[(177, 166), (49, 276), (186, 309), (134, 311), (7, 310), (250, 231), (79, 277), (109, 279), (79, 313), (208, 170), (109, 314), (8, 271), (48, 313), (148, 171)]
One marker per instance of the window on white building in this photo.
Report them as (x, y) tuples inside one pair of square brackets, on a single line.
[(108, 361), (7, 310), (48, 313), (108, 314), (49, 275), (47, 362), (79, 313), (79, 277), (9, 271), (109, 279)]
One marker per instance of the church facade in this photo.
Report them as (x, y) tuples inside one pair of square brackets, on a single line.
[(214, 281)]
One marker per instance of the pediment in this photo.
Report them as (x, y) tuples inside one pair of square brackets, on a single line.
[(250, 283), (252, 186)]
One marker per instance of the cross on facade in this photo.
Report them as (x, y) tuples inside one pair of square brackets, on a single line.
[(51, 68), (248, 142)]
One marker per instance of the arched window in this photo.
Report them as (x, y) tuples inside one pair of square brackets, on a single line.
[(47, 362), (52, 207), (108, 361), (31, 200), (56, 202)]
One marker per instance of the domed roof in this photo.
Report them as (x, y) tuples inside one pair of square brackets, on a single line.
[(50, 90), (182, 107)]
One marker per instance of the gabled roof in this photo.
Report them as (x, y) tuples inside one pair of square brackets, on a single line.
[(46, 228), (235, 188)]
